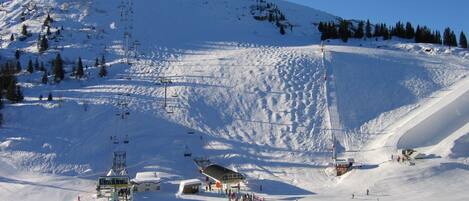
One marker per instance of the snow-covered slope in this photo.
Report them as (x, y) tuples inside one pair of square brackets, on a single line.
[(256, 100)]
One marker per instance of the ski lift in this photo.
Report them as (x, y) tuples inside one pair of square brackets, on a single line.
[(187, 152), (126, 139), (170, 110), (114, 140), (174, 95), (191, 132)]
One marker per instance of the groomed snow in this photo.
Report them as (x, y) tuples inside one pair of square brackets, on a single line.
[(254, 100)]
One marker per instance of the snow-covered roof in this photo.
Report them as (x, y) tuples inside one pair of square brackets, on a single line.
[(189, 182), (111, 173), (147, 177)]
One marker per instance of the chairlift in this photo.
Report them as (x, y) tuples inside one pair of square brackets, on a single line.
[(126, 139), (191, 132), (114, 140), (174, 95), (187, 152), (169, 109)]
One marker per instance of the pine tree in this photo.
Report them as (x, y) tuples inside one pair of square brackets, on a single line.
[(377, 31), (448, 38), (360, 33), (103, 71), (409, 31), (418, 34), (79, 73), (58, 69), (437, 38), (30, 68), (48, 20), (321, 27), (344, 31), (399, 30), (43, 44), (48, 31), (24, 30), (11, 94), (385, 32), (17, 54), (462, 40), (368, 29), (12, 38), (49, 97), (44, 79), (282, 30)]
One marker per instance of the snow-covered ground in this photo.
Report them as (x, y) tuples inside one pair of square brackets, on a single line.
[(256, 100)]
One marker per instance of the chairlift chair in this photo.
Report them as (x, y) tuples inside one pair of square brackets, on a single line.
[(187, 152), (114, 140), (126, 139), (170, 109)]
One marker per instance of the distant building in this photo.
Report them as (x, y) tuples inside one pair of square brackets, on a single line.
[(146, 182), (222, 176), (191, 186), (343, 166)]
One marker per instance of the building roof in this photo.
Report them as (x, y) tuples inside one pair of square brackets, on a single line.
[(111, 173), (144, 177), (222, 174), (190, 182)]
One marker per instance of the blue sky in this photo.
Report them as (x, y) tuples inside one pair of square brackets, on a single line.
[(437, 14)]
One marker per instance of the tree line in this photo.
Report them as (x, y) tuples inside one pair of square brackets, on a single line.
[(421, 34)]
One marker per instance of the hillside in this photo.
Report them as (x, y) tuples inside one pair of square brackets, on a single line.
[(259, 102)]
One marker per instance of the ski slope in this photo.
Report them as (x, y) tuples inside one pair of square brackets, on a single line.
[(256, 100)]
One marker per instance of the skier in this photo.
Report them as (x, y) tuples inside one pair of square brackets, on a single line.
[(367, 192), (353, 196)]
